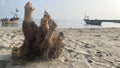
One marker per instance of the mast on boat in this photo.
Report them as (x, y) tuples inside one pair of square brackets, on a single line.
[(15, 13)]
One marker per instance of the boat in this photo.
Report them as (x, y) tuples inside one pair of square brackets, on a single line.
[(13, 20), (98, 22), (10, 21), (93, 22)]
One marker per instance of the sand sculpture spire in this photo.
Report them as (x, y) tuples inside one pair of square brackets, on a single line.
[(29, 10), (42, 41)]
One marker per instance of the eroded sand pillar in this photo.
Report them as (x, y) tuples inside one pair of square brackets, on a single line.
[(41, 41)]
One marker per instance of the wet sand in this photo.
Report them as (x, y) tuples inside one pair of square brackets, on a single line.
[(85, 48)]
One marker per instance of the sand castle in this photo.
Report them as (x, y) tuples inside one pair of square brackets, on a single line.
[(42, 41)]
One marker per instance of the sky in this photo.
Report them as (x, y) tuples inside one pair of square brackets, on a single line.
[(64, 9)]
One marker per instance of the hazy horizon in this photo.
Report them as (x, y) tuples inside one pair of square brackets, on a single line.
[(64, 9)]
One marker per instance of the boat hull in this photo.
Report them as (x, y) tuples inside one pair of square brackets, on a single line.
[(93, 22), (10, 21)]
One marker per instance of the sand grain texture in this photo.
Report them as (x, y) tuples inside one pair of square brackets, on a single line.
[(85, 48)]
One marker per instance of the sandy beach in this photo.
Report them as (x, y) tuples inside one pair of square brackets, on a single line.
[(85, 48)]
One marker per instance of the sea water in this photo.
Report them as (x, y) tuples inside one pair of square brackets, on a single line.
[(67, 24)]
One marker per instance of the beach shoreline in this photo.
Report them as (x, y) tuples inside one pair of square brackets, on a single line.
[(85, 48)]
